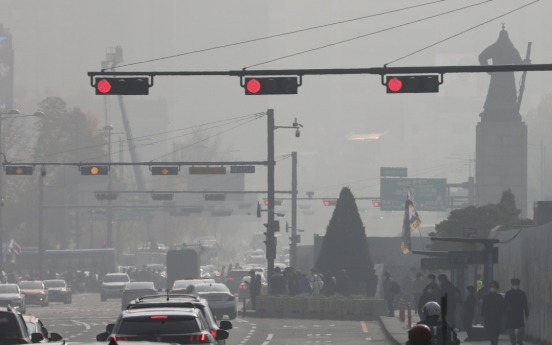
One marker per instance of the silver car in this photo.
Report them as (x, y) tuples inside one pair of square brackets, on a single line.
[(10, 294), (113, 285)]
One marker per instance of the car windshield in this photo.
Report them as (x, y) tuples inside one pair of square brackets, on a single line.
[(31, 285), (8, 289), (116, 278), (182, 284), (139, 286), (31, 327), (54, 283), (212, 288), (158, 325)]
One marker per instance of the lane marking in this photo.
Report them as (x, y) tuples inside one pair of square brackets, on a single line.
[(269, 338), (364, 327)]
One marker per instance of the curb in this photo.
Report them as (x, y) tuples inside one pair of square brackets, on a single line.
[(386, 332)]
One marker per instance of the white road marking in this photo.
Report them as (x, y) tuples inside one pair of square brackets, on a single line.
[(269, 337), (87, 326)]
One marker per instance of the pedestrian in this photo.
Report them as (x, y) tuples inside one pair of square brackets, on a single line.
[(343, 284), (446, 288), (254, 288), (277, 283), (311, 275), (418, 286), (428, 295), (468, 312), (329, 284), (517, 311), (305, 286), (432, 284), (229, 269), (318, 285), (371, 283), (389, 292), (492, 308)]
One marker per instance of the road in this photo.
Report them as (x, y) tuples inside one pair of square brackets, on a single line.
[(87, 316)]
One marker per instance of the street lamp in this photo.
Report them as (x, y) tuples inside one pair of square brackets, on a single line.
[(12, 114)]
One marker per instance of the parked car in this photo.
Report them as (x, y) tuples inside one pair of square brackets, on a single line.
[(113, 285), (59, 291), (34, 325), (10, 294), (136, 290), (221, 300), (35, 292), (169, 325), (13, 329)]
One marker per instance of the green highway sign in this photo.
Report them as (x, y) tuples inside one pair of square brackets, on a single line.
[(393, 172), (429, 194)]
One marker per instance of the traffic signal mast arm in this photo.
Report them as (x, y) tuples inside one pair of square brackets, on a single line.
[(151, 164)]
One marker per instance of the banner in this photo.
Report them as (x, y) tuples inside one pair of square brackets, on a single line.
[(411, 222)]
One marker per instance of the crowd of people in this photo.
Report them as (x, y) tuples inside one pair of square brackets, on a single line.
[(292, 282)]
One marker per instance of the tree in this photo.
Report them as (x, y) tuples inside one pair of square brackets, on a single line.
[(344, 245), (484, 218)]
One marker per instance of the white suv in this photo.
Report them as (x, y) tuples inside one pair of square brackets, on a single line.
[(113, 285)]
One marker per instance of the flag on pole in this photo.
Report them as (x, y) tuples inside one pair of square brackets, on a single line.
[(410, 223), (14, 247)]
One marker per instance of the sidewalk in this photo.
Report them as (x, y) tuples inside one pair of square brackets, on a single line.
[(396, 332)]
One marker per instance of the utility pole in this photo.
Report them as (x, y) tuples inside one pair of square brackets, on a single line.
[(109, 217), (270, 238), (41, 221), (294, 237)]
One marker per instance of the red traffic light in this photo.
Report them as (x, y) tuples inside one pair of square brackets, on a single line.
[(253, 86), (330, 202), (376, 203), (394, 84), (326, 203), (104, 86), (266, 202)]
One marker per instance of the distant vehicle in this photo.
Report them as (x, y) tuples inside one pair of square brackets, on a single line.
[(59, 291), (243, 290), (180, 286), (35, 292), (34, 325), (136, 290), (113, 285), (169, 325), (13, 329), (97, 260), (221, 300), (10, 294), (182, 264), (234, 278)]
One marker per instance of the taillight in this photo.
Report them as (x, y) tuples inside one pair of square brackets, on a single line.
[(114, 338), (214, 332), (231, 298), (201, 338), (243, 286), (159, 317), (229, 279)]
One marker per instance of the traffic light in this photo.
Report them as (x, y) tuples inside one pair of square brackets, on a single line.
[(214, 196), (162, 196), (330, 202), (376, 203), (164, 170), (277, 202), (413, 84), (122, 86), (94, 170), (19, 170), (271, 86)]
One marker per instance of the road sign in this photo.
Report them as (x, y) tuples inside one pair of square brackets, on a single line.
[(472, 258), (207, 170), (436, 263), (429, 194), (242, 169), (393, 172)]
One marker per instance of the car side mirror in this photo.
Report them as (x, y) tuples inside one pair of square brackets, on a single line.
[(109, 328), (221, 334), (37, 337), (55, 337), (102, 336), (226, 325)]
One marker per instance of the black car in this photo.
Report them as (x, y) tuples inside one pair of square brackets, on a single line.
[(136, 290), (13, 329), (59, 291)]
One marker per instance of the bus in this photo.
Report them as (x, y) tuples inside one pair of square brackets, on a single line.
[(97, 260)]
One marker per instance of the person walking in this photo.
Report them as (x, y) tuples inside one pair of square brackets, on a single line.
[(446, 288), (517, 311), (491, 312), (329, 284), (343, 284), (317, 286), (278, 282), (468, 312), (418, 286), (254, 289), (305, 287), (389, 292)]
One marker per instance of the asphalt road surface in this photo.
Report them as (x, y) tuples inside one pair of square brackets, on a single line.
[(87, 316)]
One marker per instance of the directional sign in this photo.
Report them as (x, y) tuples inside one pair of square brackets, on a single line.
[(242, 169), (472, 258), (393, 172), (428, 194), (207, 170)]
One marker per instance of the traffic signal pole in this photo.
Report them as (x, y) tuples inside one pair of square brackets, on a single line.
[(294, 237), (40, 224), (270, 239)]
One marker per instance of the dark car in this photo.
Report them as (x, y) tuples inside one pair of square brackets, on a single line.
[(13, 329), (234, 279), (136, 290), (10, 294), (171, 325), (59, 291)]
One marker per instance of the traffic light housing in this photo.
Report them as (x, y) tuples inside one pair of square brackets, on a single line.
[(277, 202), (122, 86), (19, 170), (164, 170), (413, 84), (94, 170), (330, 202), (376, 203), (214, 196), (271, 86)]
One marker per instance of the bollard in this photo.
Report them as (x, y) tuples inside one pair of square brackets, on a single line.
[(409, 324), (244, 308), (401, 310)]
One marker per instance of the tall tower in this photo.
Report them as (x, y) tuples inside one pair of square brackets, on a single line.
[(501, 136)]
